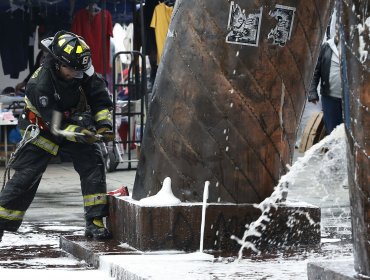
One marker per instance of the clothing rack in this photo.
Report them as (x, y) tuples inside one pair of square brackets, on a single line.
[(136, 92)]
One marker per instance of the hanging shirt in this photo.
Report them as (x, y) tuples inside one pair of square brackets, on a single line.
[(160, 22), (90, 27), (122, 41), (14, 33), (150, 43), (127, 39)]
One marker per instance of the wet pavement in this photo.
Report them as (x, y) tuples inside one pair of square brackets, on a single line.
[(36, 246), (56, 210)]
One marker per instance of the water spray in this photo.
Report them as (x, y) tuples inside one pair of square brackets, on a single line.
[(205, 198)]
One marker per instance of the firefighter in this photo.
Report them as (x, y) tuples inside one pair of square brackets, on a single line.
[(66, 82)]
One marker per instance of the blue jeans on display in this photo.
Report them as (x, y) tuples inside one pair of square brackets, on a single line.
[(332, 109)]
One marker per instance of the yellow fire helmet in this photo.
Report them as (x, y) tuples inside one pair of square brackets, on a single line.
[(71, 50)]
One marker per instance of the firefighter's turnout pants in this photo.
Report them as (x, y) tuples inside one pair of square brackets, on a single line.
[(29, 166)]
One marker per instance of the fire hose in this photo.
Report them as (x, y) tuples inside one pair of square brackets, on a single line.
[(31, 132)]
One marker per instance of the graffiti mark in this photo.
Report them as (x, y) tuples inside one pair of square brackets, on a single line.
[(283, 30), (243, 29)]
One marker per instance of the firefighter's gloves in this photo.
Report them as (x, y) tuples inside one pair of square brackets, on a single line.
[(79, 134), (106, 133), (87, 137), (90, 137)]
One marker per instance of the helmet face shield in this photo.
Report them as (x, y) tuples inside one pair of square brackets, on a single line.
[(77, 74), (70, 73)]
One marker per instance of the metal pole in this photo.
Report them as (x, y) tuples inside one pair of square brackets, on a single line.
[(104, 34), (143, 40)]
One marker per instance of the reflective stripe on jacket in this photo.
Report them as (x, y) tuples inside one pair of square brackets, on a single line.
[(103, 116), (43, 143)]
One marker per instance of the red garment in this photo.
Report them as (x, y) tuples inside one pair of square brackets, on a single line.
[(90, 28)]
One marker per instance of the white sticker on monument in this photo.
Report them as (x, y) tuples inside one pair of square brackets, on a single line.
[(283, 30), (243, 29)]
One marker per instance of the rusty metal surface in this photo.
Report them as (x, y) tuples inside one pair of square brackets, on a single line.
[(178, 227), (356, 81), (226, 104)]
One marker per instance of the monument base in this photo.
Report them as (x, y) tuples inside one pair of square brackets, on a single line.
[(333, 270), (150, 228), (90, 250)]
